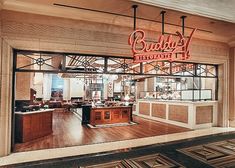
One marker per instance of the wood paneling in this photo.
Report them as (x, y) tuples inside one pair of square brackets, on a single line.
[(110, 115), (68, 131), (32, 126), (204, 114), (144, 108), (178, 113), (159, 110)]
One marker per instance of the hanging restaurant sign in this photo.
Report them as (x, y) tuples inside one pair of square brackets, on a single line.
[(164, 49)]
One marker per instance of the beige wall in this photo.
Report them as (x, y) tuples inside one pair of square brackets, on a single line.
[(76, 88), (150, 84), (5, 97), (37, 84), (37, 32), (140, 88), (232, 87), (23, 81)]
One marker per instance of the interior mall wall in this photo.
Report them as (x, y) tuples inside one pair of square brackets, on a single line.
[(45, 33), (5, 97), (232, 87), (23, 81)]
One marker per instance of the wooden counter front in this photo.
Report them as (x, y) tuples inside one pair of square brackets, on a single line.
[(110, 115), (33, 125)]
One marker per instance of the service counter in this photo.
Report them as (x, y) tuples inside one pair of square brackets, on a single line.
[(106, 115), (33, 124), (193, 115)]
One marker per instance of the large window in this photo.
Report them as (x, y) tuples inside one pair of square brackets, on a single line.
[(175, 80), (194, 82)]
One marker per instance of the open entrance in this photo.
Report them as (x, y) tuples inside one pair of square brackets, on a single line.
[(66, 99)]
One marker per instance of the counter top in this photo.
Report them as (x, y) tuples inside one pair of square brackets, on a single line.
[(176, 101), (111, 107), (32, 112)]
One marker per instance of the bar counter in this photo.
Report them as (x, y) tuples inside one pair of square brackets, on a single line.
[(106, 115), (189, 114), (33, 124), (111, 107), (33, 112)]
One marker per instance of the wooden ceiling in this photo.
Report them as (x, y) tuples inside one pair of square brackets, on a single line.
[(210, 29)]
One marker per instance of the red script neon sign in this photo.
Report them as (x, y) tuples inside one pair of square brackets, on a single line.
[(163, 49)]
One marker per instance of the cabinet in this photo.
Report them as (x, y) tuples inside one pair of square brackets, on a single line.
[(110, 115), (32, 125)]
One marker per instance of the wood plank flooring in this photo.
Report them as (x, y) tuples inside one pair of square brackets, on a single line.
[(68, 131)]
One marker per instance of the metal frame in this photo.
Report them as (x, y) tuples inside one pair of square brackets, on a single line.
[(13, 101), (124, 64), (82, 64)]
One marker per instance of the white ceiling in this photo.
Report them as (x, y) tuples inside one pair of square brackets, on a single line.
[(216, 9)]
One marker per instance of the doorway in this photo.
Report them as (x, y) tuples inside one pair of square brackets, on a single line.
[(90, 73)]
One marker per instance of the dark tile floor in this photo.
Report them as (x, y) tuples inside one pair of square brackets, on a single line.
[(169, 150)]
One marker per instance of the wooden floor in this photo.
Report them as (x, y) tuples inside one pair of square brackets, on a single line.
[(68, 131)]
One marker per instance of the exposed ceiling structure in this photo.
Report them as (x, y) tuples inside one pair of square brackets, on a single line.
[(148, 12)]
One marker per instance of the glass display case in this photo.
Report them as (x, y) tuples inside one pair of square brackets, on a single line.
[(182, 88), (186, 95)]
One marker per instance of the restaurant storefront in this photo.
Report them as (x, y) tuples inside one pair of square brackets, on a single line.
[(165, 88)]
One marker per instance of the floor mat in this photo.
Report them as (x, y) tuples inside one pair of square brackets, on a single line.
[(149, 161), (219, 154), (112, 125)]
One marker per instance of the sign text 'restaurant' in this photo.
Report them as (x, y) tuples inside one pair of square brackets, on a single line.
[(164, 49)]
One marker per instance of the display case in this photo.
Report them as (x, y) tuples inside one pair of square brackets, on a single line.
[(189, 95)]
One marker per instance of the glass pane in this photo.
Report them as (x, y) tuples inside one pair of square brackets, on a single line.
[(123, 65), (38, 61), (154, 67), (183, 69), (84, 63), (206, 70)]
